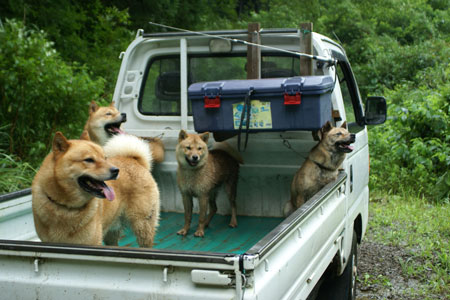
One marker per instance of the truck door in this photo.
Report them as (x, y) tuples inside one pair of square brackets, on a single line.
[(358, 160)]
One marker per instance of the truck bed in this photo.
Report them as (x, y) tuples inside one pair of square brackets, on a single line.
[(177, 267), (219, 237)]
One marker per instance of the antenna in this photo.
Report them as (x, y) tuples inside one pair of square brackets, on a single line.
[(329, 61)]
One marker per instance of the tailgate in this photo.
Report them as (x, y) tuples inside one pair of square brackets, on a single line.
[(31, 269), (51, 271)]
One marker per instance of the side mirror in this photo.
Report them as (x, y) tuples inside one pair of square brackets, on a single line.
[(376, 110)]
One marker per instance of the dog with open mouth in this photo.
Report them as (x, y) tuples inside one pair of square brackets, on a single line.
[(80, 197), (322, 164), (104, 122)]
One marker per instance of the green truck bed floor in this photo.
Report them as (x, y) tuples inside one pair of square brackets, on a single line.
[(219, 237)]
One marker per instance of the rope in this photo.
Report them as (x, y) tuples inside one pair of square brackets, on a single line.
[(305, 31), (247, 110), (288, 145)]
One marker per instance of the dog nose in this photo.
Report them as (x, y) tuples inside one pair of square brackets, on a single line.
[(114, 172), (124, 116), (353, 136), (194, 157)]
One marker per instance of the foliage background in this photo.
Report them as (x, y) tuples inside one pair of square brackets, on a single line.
[(57, 56)]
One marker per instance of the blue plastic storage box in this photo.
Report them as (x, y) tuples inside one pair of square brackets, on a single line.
[(277, 104)]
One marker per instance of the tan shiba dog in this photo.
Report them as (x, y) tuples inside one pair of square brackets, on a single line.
[(105, 121), (200, 174), (322, 164), (80, 197)]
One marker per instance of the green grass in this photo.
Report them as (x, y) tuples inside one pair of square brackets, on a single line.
[(422, 230), (14, 174)]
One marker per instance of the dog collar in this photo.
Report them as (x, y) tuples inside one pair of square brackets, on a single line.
[(65, 206), (322, 166)]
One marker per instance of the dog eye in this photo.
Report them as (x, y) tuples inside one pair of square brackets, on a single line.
[(188, 147), (109, 114), (199, 148), (338, 134), (89, 160)]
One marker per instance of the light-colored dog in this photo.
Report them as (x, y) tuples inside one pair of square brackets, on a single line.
[(105, 121), (321, 166), (200, 174), (80, 197)]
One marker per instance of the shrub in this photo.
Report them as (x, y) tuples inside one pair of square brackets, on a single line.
[(390, 63), (87, 32), (411, 153), (40, 92)]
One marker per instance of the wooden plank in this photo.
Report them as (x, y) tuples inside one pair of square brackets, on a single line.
[(336, 115), (254, 52), (306, 64)]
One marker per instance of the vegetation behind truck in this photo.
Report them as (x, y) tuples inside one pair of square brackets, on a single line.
[(310, 254)]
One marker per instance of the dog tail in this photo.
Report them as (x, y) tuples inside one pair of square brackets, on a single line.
[(224, 146), (129, 146), (288, 209)]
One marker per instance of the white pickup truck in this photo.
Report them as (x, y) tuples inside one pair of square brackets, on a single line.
[(311, 254)]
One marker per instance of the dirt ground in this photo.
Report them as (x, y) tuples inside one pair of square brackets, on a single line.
[(380, 274)]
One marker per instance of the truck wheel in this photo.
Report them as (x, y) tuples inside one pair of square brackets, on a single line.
[(342, 287)]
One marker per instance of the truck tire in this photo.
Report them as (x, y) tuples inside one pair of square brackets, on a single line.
[(342, 287)]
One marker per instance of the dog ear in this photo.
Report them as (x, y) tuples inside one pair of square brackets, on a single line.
[(322, 131), (85, 136), (205, 136), (112, 103), (93, 107), (344, 125), (315, 135), (60, 144), (183, 135), (327, 127)]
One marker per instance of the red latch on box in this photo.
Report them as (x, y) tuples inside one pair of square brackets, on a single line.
[(292, 100), (212, 102)]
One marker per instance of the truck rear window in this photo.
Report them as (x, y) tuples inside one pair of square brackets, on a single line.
[(160, 93)]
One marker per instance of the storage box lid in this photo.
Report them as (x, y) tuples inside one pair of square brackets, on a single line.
[(262, 87)]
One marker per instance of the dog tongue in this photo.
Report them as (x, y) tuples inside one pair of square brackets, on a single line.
[(349, 147), (118, 130), (109, 192)]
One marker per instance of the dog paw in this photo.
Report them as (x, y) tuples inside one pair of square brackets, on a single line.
[(182, 232), (199, 233), (233, 222)]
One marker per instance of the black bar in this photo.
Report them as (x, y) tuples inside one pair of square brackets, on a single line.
[(13, 195), (140, 253)]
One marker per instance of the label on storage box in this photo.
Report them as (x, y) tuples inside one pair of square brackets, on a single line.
[(260, 115)]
